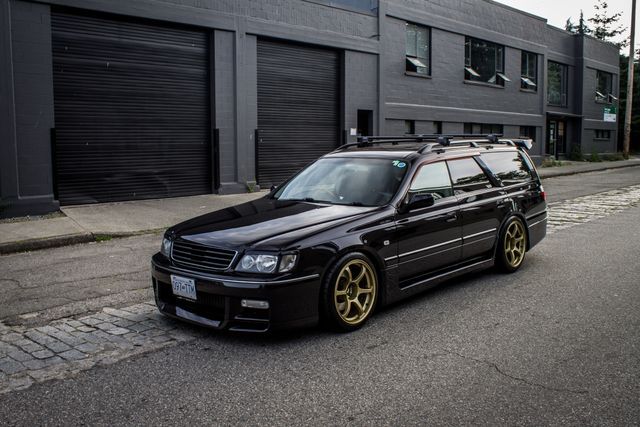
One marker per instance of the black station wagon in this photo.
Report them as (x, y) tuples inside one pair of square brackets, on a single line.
[(371, 223)]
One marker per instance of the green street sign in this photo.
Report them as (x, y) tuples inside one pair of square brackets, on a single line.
[(610, 113)]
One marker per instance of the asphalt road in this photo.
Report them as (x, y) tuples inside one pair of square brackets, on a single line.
[(569, 187), (48, 284), (558, 342)]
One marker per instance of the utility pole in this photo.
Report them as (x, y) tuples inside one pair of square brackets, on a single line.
[(632, 57)]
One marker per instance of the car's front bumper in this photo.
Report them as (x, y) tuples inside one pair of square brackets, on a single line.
[(293, 302)]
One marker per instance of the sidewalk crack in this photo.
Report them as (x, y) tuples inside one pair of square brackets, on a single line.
[(84, 279), (14, 281)]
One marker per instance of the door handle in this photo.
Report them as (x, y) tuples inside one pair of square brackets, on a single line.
[(502, 202), (451, 217)]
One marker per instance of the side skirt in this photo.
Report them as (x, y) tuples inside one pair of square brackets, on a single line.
[(425, 283)]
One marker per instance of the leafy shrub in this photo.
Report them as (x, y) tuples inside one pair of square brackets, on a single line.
[(594, 157), (576, 154)]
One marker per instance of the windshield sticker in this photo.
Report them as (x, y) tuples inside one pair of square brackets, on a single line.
[(399, 164)]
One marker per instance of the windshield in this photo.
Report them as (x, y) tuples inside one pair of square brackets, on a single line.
[(346, 181)]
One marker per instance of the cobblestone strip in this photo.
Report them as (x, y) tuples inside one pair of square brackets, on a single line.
[(583, 209), (68, 346)]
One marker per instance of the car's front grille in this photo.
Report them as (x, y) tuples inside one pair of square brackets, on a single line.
[(200, 256)]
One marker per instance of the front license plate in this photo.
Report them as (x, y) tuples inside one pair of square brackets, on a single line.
[(183, 287)]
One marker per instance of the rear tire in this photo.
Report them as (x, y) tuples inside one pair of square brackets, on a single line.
[(512, 246), (349, 293)]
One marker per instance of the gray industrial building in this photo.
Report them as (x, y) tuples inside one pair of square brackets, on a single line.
[(108, 100)]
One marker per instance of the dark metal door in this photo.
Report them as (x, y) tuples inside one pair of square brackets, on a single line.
[(132, 109), (482, 212), (428, 239), (298, 92)]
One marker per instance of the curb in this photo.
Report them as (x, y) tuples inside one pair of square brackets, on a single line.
[(46, 243), (553, 174), (68, 240)]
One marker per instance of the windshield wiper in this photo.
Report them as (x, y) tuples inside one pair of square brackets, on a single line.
[(307, 199)]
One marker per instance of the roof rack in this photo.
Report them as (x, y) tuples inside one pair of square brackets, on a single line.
[(434, 140)]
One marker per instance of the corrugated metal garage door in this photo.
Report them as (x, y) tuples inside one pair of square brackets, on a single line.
[(132, 110), (298, 90)]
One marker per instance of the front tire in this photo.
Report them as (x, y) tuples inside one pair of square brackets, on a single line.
[(512, 246), (350, 292)]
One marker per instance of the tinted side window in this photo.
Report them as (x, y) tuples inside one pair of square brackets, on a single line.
[(433, 178), (467, 176), (508, 167)]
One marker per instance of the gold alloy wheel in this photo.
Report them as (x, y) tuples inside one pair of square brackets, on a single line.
[(355, 291), (515, 241)]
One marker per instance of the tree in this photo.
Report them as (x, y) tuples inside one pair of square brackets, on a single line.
[(582, 27), (606, 27)]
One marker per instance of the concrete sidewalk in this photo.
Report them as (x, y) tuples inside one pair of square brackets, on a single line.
[(572, 168), (79, 224)]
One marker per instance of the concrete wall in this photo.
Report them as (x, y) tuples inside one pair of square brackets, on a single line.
[(598, 56), (225, 102), (445, 95), (360, 89), (27, 176)]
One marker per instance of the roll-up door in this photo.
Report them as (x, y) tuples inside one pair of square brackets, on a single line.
[(132, 109), (298, 92)]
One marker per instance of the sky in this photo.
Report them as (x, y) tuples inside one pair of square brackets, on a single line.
[(557, 11)]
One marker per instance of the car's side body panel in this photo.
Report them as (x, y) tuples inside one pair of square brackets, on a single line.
[(482, 213), (427, 239)]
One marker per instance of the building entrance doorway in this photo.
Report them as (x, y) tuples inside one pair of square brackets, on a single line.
[(556, 138)]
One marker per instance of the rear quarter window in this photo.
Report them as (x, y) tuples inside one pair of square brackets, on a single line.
[(508, 166), (467, 175)]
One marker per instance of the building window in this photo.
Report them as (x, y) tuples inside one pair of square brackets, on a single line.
[(410, 127), (603, 134), (529, 77), (417, 49), (557, 84), (484, 62), (604, 86), (483, 129), (528, 132)]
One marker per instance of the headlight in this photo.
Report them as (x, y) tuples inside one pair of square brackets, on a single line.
[(266, 263), (165, 248)]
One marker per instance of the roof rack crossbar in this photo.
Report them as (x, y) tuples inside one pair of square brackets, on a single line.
[(443, 140)]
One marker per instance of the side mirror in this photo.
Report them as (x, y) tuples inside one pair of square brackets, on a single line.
[(418, 201), (273, 187)]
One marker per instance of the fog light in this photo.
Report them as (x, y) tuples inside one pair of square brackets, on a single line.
[(253, 303)]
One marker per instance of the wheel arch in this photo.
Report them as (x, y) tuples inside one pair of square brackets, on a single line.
[(376, 262), (506, 219)]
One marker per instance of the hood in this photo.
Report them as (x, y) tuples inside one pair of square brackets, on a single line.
[(264, 219)]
